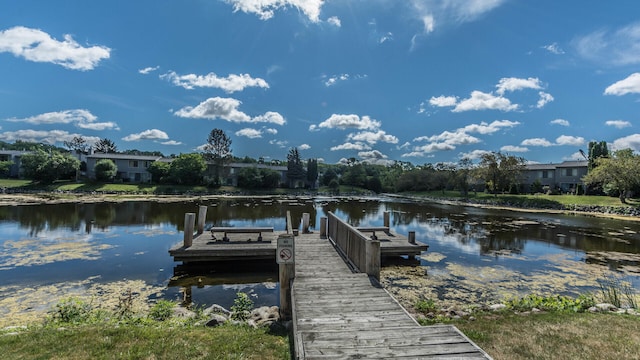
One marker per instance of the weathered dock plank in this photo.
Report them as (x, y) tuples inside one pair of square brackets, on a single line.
[(339, 314)]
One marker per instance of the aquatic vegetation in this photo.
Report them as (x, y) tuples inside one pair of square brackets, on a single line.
[(552, 303), (617, 292)]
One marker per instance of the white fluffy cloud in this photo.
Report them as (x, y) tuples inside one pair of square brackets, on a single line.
[(81, 118), (515, 84), (229, 84), (630, 85), (150, 134), (560, 141), (304, 147), (351, 146), (38, 46), (561, 122), (374, 157), (226, 109), (449, 140), (627, 142), (335, 21), (265, 9), (480, 100), (474, 155), (351, 121), (570, 140), (484, 101), (373, 137), (619, 124), (171, 142), (443, 101), (250, 133), (148, 70), (516, 149), (544, 99), (536, 142), (50, 137)]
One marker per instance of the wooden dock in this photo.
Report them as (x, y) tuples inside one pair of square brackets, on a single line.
[(339, 314), (246, 247)]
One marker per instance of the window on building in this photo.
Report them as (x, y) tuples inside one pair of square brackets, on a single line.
[(133, 163)]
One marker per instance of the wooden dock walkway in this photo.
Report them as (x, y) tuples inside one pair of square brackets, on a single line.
[(246, 247), (339, 314)]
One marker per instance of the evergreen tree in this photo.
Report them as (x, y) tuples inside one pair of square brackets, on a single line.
[(295, 169), (218, 150)]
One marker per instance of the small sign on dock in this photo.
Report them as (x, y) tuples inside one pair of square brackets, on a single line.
[(285, 250)]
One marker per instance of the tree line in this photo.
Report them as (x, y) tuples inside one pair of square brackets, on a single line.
[(613, 173)]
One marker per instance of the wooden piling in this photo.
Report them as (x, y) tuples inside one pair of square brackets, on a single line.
[(385, 217), (305, 223), (323, 226), (202, 217), (285, 273), (372, 266), (189, 223), (412, 237)]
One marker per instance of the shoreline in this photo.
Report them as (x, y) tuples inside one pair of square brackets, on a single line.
[(47, 198)]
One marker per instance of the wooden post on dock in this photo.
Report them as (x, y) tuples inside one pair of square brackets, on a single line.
[(285, 256), (412, 237), (286, 273), (202, 216), (323, 226), (385, 217), (372, 266), (305, 223), (189, 223)]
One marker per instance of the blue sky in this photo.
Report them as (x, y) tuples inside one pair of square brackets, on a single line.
[(423, 81)]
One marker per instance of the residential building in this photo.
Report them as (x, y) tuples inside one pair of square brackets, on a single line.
[(233, 169), (131, 168), (14, 156), (564, 177)]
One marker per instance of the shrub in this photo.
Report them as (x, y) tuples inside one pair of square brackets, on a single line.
[(425, 306), (242, 307), (71, 311), (162, 310)]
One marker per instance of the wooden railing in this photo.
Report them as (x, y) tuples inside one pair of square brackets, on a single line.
[(360, 250)]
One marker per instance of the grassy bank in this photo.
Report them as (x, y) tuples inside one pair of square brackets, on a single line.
[(555, 335), (145, 342), (529, 200)]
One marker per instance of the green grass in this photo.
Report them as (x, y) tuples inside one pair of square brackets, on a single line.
[(555, 335), (145, 342)]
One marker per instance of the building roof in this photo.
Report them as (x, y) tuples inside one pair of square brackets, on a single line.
[(553, 166), (124, 156), (259, 166)]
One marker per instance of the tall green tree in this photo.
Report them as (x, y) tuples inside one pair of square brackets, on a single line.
[(105, 146), (105, 170), (619, 173), (47, 167), (312, 171), (597, 150), (218, 150), (159, 171), (295, 168), (187, 169), (78, 145), (500, 171)]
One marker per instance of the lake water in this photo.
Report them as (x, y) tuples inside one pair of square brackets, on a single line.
[(475, 255)]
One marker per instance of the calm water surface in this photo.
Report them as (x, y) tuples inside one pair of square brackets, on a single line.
[(47, 246)]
